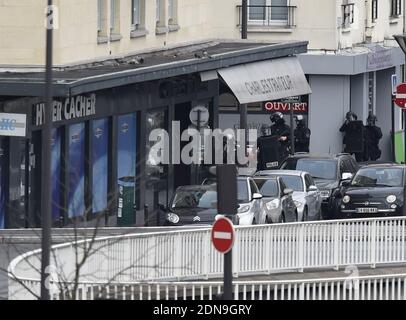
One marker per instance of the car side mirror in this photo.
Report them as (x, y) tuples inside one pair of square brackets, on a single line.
[(287, 191), (312, 188), (256, 196), (346, 176), (346, 183)]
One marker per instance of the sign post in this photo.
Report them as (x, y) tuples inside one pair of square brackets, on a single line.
[(222, 234), (400, 100)]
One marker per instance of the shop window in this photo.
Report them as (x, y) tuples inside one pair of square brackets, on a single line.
[(100, 142), (228, 103), (156, 170), (3, 173), (126, 168), (76, 170), (56, 174)]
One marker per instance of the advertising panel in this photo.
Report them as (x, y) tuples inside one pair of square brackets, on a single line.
[(56, 173), (100, 164), (76, 165), (126, 161)]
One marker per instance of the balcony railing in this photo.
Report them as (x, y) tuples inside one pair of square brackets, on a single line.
[(348, 15), (270, 16)]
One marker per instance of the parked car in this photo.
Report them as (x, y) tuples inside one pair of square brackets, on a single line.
[(250, 204), (374, 191), (328, 171), (277, 198), (306, 195), (197, 204)]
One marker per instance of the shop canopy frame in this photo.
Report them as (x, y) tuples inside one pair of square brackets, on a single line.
[(71, 81)]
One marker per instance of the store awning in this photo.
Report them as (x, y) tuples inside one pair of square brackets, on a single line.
[(266, 80)]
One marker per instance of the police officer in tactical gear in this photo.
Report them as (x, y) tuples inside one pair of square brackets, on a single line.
[(302, 135), (372, 136), (349, 117), (282, 130)]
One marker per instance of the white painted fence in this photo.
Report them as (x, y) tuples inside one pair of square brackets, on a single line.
[(189, 255)]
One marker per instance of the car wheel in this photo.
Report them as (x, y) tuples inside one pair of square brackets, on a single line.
[(305, 216)]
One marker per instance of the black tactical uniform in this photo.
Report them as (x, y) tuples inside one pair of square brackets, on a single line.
[(373, 135), (350, 116), (282, 130), (302, 135)]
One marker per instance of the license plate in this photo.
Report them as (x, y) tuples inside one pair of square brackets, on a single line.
[(272, 164), (367, 210)]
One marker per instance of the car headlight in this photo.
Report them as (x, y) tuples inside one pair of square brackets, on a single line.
[(172, 217), (325, 193), (243, 209), (391, 198), (272, 204), (297, 203), (346, 199)]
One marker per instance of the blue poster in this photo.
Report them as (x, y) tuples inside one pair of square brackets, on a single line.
[(3, 171), (100, 164), (76, 165), (56, 173), (126, 147)]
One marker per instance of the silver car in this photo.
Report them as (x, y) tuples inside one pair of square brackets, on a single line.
[(250, 205), (277, 198), (306, 195)]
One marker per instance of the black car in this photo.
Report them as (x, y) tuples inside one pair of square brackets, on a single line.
[(374, 191), (196, 204), (328, 171)]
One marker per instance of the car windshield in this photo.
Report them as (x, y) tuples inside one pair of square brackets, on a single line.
[(195, 199), (378, 177), (292, 182), (242, 191), (267, 187), (319, 169)]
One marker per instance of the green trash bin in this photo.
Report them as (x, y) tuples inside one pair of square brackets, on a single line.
[(126, 201)]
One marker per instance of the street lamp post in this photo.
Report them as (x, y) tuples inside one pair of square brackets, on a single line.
[(46, 198), (401, 40)]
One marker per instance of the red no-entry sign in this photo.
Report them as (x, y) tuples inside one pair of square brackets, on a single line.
[(222, 235), (400, 99)]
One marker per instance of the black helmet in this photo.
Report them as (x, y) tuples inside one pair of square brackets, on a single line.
[(276, 117), (351, 116), (371, 119), (299, 119)]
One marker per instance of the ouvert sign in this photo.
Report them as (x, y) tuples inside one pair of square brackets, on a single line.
[(68, 109)]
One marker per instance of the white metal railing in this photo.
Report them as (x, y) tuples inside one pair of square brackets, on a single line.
[(377, 287), (189, 255)]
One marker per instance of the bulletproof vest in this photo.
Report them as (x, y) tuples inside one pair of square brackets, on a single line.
[(354, 137), (268, 152)]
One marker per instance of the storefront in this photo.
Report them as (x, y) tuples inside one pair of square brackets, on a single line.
[(102, 170)]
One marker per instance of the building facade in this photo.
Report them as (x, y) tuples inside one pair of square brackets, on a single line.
[(112, 87), (351, 59)]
